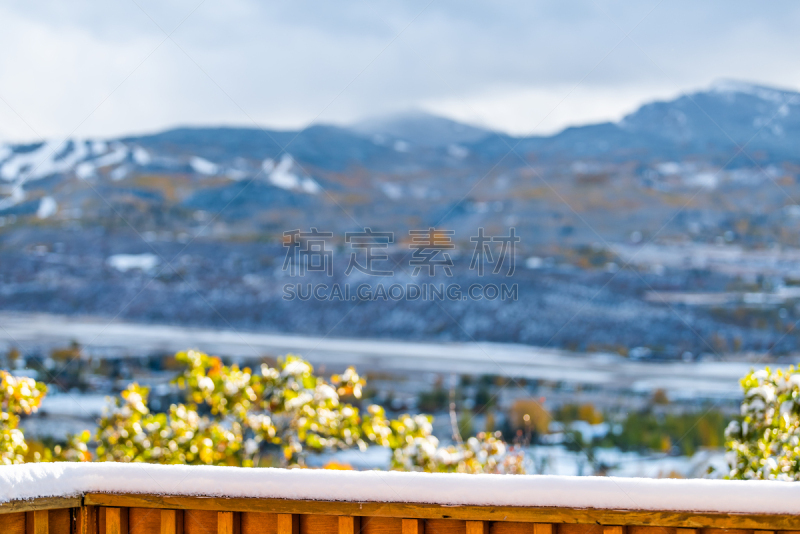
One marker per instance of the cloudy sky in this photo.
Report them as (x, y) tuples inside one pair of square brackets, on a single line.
[(128, 66)]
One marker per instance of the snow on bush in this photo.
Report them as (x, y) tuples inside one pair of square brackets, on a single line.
[(764, 442), (236, 417), (18, 395)]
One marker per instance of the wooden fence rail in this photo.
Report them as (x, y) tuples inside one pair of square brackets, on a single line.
[(103, 513)]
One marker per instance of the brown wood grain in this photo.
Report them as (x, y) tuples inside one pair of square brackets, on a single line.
[(288, 524), (114, 520), (445, 526), (259, 523), (614, 529), (171, 522), (200, 522), (228, 523), (635, 529), (477, 527), (585, 528), (88, 520), (37, 522), (319, 524), (512, 527), (381, 525), (13, 523), (144, 521), (413, 526), (571, 521), (544, 528), (349, 524), (60, 521), (42, 503)]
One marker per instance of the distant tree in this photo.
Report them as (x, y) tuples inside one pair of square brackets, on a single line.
[(530, 416), (647, 429), (764, 442), (568, 413), (13, 356), (660, 397)]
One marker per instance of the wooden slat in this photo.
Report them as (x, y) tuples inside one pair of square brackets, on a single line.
[(60, 521), (588, 517), (382, 525), (288, 524), (511, 527), (349, 524), (685, 531), (115, 520), (199, 522), (37, 522), (477, 527), (88, 520), (413, 526), (228, 523), (543, 528), (613, 529), (13, 523), (42, 503), (144, 521), (445, 526), (579, 528), (259, 523), (171, 522), (319, 524), (635, 529)]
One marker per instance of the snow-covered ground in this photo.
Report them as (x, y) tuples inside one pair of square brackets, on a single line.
[(65, 479), (681, 380), (729, 259), (558, 460)]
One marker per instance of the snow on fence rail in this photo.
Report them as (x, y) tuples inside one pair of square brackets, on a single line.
[(108, 498)]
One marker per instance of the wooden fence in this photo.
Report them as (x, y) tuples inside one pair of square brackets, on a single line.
[(103, 513)]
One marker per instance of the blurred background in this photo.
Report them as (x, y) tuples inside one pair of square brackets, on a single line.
[(152, 157)]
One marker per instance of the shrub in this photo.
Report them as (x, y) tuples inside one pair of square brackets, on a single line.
[(764, 442), (234, 416)]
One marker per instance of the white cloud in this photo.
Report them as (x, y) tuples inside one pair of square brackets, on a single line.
[(505, 65)]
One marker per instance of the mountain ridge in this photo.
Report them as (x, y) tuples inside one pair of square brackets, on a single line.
[(415, 155)]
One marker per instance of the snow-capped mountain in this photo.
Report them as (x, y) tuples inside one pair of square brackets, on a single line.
[(187, 226), (711, 124), (729, 113), (415, 156)]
